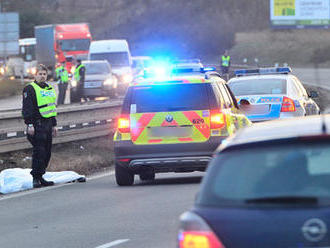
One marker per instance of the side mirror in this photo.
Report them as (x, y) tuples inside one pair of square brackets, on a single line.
[(313, 94)]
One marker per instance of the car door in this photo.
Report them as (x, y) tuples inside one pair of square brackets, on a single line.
[(310, 105)]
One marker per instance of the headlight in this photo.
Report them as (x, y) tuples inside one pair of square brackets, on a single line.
[(109, 81), (128, 78), (74, 83), (33, 70), (2, 71)]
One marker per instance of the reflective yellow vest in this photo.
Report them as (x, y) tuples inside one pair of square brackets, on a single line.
[(57, 71), (225, 61), (46, 100), (76, 72), (64, 75)]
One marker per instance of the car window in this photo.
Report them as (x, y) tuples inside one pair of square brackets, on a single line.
[(295, 89), (97, 68), (176, 97), (301, 87), (267, 86), (268, 171), (226, 96)]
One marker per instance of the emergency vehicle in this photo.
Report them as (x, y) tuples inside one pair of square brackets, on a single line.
[(173, 124), (272, 93)]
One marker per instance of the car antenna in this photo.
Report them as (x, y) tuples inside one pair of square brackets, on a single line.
[(323, 124)]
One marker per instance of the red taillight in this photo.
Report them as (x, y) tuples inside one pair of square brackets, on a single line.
[(288, 105), (195, 233), (199, 240), (124, 124), (218, 119)]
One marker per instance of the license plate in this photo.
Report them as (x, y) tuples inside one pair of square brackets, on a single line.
[(92, 84), (179, 132)]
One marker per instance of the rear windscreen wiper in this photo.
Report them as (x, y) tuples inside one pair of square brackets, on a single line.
[(284, 199)]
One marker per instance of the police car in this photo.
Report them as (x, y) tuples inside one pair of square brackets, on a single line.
[(173, 124), (272, 93)]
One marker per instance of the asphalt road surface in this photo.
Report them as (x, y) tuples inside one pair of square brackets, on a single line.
[(98, 213)]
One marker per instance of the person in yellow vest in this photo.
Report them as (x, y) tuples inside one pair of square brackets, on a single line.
[(39, 113), (79, 77), (225, 65), (63, 80)]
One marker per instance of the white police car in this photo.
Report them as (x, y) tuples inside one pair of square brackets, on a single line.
[(272, 93)]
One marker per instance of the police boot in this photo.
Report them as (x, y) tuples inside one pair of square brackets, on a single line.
[(36, 183), (43, 182)]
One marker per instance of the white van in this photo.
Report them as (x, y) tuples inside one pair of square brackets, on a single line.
[(117, 53)]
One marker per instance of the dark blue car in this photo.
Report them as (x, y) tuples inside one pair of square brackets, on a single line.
[(267, 187)]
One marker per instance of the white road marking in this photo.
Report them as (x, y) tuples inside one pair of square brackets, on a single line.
[(113, 243), (33, 191)]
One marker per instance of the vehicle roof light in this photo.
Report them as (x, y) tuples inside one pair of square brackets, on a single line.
[(263, 71)]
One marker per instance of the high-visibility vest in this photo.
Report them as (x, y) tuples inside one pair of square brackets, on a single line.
[(76, 72), (57, 71), (225, 61), (46, 100), (64, 75)]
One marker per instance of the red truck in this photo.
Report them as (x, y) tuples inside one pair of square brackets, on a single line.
[(62, 42)]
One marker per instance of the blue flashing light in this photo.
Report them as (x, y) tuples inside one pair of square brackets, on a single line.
[(263, 71), (206, 69)]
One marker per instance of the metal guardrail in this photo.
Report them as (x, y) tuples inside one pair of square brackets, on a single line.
[(75, 122)]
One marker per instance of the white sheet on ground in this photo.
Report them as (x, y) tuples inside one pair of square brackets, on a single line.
[(17, 179)]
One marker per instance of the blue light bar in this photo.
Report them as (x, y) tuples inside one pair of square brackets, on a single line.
[(263, 71), (206, 69)]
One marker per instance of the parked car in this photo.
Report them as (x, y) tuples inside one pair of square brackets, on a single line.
[(267, 186)]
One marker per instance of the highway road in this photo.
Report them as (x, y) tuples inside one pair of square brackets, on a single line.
[(98, 213), (310, 76)]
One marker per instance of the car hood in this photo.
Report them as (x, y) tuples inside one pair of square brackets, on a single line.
[(97, 77), (121, 70)]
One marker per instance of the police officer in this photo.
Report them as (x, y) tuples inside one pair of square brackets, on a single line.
[(63, 79), (225, 64), (79, 76), (39, 112)]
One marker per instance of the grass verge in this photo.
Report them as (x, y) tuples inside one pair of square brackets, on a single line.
[(84, 157), (10, 87)]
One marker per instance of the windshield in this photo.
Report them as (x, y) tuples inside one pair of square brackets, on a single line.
[(258, 87), (115, 59), (283, 173), (75, 44), (97, 68), (177, 97), (28, 52)]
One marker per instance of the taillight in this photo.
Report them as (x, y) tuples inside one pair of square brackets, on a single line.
[(124, 124), (288, 105), (218, 119), (195, 233)]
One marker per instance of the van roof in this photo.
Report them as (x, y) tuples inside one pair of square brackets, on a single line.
[(101, 46)]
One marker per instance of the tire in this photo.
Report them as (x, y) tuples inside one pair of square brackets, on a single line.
[(123, 176), (147, 176)]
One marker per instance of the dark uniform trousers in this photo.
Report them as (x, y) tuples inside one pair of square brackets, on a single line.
[(42, 145), (62, 90)]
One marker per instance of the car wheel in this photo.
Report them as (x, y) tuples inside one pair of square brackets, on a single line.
[(123, 176), (147, 176)]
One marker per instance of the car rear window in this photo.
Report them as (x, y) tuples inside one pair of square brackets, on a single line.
[(163, 98), (292, 170), (258, 87)]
